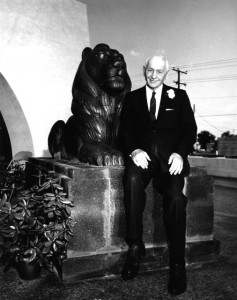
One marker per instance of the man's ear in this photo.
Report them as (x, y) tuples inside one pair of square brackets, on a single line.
[(144, 70), (167, 72)]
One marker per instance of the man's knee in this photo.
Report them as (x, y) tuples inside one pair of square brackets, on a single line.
[(132, 177)]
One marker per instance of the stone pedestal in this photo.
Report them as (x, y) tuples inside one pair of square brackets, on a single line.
[(98, 247)]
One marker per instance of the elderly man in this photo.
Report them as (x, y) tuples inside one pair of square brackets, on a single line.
[(157, 133)]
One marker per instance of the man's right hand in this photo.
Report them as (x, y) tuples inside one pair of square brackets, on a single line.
[(140, 158)]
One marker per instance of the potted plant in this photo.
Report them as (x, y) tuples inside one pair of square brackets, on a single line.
[(35, 226)]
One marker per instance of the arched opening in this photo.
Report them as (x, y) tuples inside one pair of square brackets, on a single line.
[(17, 135), (5, 143)]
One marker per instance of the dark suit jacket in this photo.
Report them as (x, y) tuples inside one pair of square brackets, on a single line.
[(174, 130)]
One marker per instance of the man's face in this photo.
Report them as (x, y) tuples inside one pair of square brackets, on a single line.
[(155, 72)]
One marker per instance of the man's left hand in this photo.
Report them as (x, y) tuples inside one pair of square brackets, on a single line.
[(176, 162)]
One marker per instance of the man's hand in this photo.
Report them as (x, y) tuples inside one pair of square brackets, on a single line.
[(176, 162), (140, 158)]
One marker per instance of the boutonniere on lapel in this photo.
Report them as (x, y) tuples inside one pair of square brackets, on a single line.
[(171, 94)]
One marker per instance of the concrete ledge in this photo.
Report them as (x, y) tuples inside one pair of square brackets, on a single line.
[(98, 247), (223, 170), (102, 264), (219, 166)]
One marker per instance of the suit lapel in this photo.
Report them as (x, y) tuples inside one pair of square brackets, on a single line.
[(143, 99), (143, 105)]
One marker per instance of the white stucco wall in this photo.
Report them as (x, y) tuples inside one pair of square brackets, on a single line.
[(40, 49)]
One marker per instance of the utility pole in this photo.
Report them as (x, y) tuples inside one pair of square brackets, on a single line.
[(178, 81)]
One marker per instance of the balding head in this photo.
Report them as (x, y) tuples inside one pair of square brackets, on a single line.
[(155, 70)]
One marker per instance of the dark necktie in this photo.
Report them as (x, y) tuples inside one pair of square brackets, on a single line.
[(153, 107)]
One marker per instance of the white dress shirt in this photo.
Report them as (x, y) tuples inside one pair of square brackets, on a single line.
[(158, 92)]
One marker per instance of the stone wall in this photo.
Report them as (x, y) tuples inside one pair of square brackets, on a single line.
[(227, 146)]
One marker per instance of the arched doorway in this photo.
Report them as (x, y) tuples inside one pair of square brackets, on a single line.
[(15, 122), (5, 143)]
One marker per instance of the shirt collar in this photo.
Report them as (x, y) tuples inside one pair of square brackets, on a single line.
[(157, 90)]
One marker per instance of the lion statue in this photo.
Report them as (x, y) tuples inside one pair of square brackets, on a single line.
[(98, 90)]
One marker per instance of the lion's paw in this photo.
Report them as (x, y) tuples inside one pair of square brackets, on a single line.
[(110, 160)]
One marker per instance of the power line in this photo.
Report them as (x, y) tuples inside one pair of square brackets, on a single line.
[(209, 123), (207, 80), (196, 80), (210, 80), (221, 115), (215, 78), (138, 76), (209, 68), (203, 79), (215, 97), (223, 130), (191, 66), (230, 60)]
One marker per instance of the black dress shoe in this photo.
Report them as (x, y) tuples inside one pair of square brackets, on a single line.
[(132, 264), (177, 279)]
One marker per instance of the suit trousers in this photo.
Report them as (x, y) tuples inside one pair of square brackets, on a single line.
[(135, 181)]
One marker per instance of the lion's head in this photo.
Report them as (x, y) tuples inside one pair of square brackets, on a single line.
[(102, 69)]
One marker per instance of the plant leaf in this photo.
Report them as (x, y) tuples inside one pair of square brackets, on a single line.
[(50, 215)]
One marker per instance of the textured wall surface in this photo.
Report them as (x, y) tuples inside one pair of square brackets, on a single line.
[(41, 45)]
